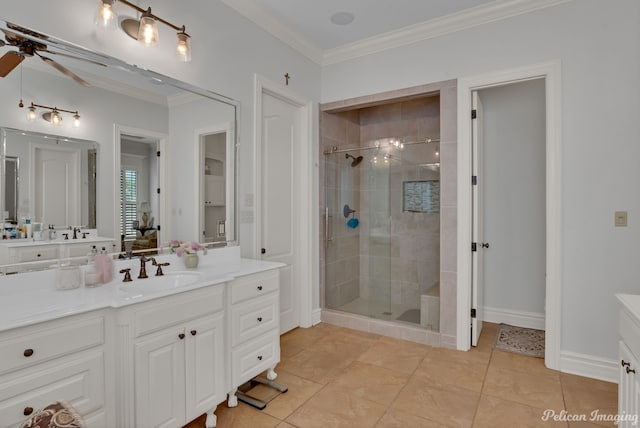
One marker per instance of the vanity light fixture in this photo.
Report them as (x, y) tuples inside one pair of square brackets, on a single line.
[(145, 29), (53, 116)]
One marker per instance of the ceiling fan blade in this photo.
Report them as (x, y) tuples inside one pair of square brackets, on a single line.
[(65, 71), (72, 56), (9, 61)]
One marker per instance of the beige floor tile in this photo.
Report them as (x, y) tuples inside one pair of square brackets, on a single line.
[(315, 366), (450, 405), (300, 390), (496, 412), (243, 416), (521, 363), (288, 350), (487, 337), (369, 381), (335, 409), (460, 357), (448, 368), (285, 425), (345, 344), (542, 392), (305, 337), (584, 396), (395, 419), (396, 354), (583, 424)]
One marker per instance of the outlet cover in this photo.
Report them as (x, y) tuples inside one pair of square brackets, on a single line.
[(620, 219)]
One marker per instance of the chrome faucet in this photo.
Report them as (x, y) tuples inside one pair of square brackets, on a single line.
[(143, 267)]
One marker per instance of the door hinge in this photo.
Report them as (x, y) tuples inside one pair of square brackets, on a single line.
[(158, 153), (158, 227), (474, 246), (474, 114), (473, 312), (158, 190), (474, 180)]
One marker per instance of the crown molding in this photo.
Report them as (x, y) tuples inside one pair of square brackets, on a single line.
[(473, 17), (469, 18), (255, 12)]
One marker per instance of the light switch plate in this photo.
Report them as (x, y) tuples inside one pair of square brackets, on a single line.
[(620, 219)]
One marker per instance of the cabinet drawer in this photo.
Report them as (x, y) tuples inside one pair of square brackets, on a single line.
[(254, 357), (178, 308), (83, 248), (79, 380), (34, 253), (251, 286), (254, 317), (32, 345)]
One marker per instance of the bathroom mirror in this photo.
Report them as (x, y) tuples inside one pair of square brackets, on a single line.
[(121, 101)]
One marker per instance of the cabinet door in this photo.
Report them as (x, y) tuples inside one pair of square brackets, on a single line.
[(160, 381), (628, 386), (204, 365)]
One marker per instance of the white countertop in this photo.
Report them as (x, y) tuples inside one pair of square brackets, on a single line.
[(31, 298), (57, 241)]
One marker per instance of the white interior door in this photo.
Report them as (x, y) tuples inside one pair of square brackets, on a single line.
[(281, 123), (477, 238), (57, 186)]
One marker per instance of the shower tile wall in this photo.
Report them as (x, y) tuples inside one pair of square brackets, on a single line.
[(342, 186), (398, 247)]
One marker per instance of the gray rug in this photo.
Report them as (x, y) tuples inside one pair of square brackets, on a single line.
[(520, 340)]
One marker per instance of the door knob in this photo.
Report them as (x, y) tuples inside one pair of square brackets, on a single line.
[(263, 251), (485, 245)]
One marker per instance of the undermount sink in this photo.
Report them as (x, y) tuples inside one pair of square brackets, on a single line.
[(169, 281)]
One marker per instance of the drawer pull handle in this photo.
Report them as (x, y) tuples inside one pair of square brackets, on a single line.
[(27, 411), (28, 352), (181, 336), (194, 332), (260, 357), (259, 319), (629, 370), (624, 363), (259, 287)]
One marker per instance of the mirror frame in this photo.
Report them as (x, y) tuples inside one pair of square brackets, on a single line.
[(120, 65)]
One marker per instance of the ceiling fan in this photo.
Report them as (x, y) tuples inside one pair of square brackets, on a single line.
[(28, 48)]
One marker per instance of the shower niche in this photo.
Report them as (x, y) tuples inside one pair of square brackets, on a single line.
[(383, 161)]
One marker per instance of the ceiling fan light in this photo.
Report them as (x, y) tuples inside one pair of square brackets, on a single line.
[(106, 16), (183, 50), (148, 31)]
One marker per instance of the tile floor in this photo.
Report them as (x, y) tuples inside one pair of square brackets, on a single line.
[(339, 377)]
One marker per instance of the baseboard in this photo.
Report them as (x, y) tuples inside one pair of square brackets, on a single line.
[(589, 366), (516, 318), (315, 316)]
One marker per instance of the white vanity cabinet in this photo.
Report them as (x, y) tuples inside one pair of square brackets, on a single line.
[(23, 251), (254, 328), (80, 247), (65, 359), (178, 358), (629, 352)]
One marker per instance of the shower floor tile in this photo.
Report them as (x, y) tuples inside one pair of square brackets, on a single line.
[(378, 309)]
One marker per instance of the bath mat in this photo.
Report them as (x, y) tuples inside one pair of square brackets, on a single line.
[(520, 340), (412, 315)]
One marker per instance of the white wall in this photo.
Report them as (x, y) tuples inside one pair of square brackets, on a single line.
[(597, 43), (513, 179)]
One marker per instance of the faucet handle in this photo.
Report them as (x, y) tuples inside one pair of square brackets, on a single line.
[(127, 275), (66, 236), (84, 235), (159, 270)]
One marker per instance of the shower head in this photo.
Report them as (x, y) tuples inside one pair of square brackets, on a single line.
[(355, 161)]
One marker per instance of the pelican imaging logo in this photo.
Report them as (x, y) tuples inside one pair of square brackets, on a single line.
[(594, 416)]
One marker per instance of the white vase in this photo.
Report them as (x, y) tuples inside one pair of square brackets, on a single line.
[(190, 261)]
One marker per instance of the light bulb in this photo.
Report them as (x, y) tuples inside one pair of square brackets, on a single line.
[(31, 114), (56, 119), (106, 16), (76, 120), (183, 50), (148, 31)]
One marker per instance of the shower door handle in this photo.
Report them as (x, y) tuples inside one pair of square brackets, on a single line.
[(327, 236)]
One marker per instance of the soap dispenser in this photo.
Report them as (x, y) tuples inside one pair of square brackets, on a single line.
[(92, 276), (106, 266)]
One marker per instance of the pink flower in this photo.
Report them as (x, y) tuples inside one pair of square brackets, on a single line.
[(181, 248)]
